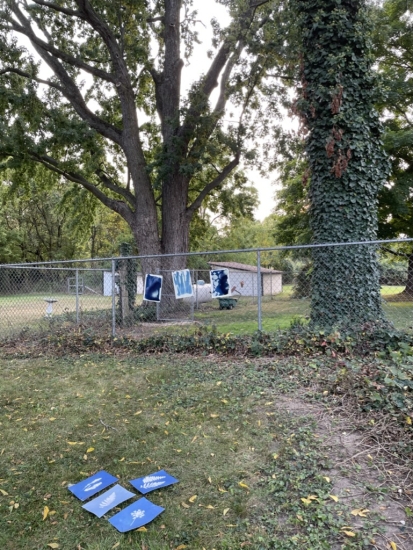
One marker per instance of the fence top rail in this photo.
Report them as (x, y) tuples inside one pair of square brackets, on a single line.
[(210, 252)]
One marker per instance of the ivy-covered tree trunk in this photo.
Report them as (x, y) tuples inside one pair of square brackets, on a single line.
[(348, 165)]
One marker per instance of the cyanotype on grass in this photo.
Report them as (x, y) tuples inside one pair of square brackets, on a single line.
[(153, 288), (92, 485), (103, 503), (220, 286), (182, 284), (157, 480), (136, 515)]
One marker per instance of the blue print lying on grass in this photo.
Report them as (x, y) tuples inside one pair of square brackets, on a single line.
[(153, 481), (102, 504), (137, 514), (92, 485)]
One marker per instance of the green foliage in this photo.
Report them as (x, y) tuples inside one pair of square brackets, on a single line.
[(115, 119), (346, 160)]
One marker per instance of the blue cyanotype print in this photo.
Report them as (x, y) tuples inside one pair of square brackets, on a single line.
[(92, 485), (103, 503), (153, 288), (134, 516), (220, 286), (182, 284), (157, 480)]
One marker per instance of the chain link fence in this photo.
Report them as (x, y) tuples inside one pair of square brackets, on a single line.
[(265, 289)]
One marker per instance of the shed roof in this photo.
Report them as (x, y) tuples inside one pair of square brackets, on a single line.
[(243, 267)]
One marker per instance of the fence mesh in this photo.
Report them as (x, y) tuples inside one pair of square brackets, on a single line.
[(267, 290)]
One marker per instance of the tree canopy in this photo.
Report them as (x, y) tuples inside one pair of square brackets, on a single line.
[(93, 92)]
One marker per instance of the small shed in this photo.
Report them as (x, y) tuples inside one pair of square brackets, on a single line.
[(243, 278)]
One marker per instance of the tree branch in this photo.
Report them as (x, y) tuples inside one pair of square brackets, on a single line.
[(60, 9), (69, 88), (119, 207), (212, 185), (67, 58), (109, 184), (31, 77)]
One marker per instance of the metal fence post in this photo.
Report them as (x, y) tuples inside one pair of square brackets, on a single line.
[(259, 290), (77, 295), (113, 300)]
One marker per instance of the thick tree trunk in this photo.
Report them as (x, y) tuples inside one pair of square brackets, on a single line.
[(347, 163)]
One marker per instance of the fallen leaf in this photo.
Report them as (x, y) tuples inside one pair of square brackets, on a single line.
[(192, 499), (3, 492), (327, 479), (116, 545), (349, 533), (225, 512), (219, 383), (214, 415), (142, 529), (210, 480), (334, 497), (184, 505), (53, 545), (45, 512), (136, 414), (52, 418), (275, 456), (306, 501), (90, 450), (360, 512), (181, 547), (221, 490), (243, 485), (393, 545), (408, 421), (122, 459), (210, 507)]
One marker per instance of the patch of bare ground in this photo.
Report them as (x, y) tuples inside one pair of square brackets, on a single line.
[(363, 473)]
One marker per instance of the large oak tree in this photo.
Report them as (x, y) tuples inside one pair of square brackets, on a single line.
[(92, 90)]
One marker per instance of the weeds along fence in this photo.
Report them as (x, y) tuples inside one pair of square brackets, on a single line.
[(264, 289)]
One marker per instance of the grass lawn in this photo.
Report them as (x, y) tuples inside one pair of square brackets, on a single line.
[(281, 310), (253, 474)]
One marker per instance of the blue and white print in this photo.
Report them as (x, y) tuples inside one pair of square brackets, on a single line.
[(92, 485), (102, 504), (220, 286), (136, 515), (153, 288), (157, 480), (182, 284)]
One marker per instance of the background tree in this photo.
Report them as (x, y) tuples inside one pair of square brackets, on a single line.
[(345, 156), (393, 39), (100, 102)]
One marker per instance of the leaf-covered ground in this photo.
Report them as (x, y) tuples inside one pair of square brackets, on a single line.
[(270, 453)]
